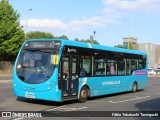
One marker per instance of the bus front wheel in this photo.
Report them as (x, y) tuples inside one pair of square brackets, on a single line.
[(134, 87), (83, 94)]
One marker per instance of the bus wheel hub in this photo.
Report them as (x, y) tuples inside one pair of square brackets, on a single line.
[(83, 94)]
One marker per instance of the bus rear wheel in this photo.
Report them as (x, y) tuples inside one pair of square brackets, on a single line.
[(134, 87), (83, 94)]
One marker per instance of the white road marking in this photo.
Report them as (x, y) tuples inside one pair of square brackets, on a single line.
[(97, 101), (66, 109), (130, 99), (74, 109), (18, 118), (137, 98), (56, 108), (152, 86), (152, 90), (145, 93)]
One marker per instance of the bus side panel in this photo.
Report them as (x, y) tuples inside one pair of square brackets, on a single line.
[(111, 84), (116, 84), (86, 81), (142, 81)]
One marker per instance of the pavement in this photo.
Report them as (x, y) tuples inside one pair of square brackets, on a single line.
[(5, 81), (5, 78)]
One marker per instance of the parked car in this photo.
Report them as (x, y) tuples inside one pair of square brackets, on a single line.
[(151, 71)]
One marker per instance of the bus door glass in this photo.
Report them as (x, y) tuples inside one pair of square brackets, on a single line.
[(69, 76)]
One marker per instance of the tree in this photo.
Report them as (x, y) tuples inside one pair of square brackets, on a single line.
[(63, 37), (76, 39), (131, 46), (119, 46), (11, 33), (89, 41), (38, 34)]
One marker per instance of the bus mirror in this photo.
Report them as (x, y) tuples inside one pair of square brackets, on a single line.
[(54, 59)]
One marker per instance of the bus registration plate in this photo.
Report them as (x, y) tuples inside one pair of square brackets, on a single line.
[(29, 95)]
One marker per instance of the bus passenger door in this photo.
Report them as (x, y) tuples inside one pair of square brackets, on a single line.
[(69, 77)]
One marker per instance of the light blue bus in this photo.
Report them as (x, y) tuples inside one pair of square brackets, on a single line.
[(60, 70)]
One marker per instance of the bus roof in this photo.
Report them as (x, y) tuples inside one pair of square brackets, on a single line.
[(89, 45)]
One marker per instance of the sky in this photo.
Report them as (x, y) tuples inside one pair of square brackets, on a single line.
[(111, 19)]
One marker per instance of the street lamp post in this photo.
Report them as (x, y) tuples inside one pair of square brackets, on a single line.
[(26, 22), (92, 37)]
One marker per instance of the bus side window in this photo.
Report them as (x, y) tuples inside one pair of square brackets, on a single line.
[(100, 66), (128, 69), (112, 70), (121, 67), (111, 67), (82, 72), (85, 66), (141, 63), (134, 65)]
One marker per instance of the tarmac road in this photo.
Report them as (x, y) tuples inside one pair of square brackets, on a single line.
[(145, 100)]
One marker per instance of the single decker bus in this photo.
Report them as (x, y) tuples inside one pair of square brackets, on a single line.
[(59, 70)]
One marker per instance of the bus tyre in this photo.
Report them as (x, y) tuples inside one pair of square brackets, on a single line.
[(83, 94), (134, 87)]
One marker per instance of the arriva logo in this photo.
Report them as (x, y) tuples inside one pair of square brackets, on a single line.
[(111, 82), (71, 50)]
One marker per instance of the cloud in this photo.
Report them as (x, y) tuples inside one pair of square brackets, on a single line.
[(112, 11), (75, 25), (145, 6), (123, 4), (45, 23), (96, 21)]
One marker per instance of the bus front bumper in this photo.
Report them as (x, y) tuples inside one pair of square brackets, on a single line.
[(51, 95)]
